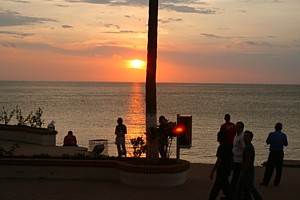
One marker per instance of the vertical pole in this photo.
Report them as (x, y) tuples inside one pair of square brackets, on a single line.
[(151, 108), (177, 144)]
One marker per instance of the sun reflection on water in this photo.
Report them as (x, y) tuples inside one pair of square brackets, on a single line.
[(136, 112)]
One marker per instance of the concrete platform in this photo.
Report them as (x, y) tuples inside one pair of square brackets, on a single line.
[(29, 149), (197, 187)]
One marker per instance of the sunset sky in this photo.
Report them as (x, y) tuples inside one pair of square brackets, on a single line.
[(200, 41)]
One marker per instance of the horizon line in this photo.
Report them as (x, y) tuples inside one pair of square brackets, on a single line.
[(167, 82)]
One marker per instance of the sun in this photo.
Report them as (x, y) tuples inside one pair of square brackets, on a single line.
[(136, 64)]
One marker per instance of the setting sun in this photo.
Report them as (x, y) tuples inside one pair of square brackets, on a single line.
[(136, 64)]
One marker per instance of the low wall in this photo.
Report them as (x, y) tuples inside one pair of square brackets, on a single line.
[(152, 175), (57, 169), (128, 173), (40, 136)]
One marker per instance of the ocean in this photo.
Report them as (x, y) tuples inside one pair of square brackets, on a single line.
[(91, 109)]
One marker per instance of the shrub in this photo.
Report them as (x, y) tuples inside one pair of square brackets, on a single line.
[(139, 146), (34, 119), (6, 116), (10, 152)]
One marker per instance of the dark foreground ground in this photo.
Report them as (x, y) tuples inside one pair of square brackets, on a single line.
[(197, 187)]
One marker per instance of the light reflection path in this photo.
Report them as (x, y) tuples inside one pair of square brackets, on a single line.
[(135, 118)]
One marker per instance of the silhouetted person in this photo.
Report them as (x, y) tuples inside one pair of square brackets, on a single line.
[(229, 128), (163, 133), (223, 167), (70, 139), (246, 178), (238, 150), (120, 132), (277, 140)]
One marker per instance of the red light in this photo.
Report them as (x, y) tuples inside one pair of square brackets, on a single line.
[(179, 129)]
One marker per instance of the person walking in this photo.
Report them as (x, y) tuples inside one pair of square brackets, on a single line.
[(237, 150), (246, 177), (277, 140), (223, 167), (120, 132)]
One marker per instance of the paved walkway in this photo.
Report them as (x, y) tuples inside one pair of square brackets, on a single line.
[(196, 188)]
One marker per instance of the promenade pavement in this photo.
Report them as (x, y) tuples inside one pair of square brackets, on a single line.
[(197, 187)]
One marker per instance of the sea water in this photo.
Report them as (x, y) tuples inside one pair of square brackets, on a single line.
[(91, 109)]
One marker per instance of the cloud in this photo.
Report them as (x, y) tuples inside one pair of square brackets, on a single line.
[(188, 6), (106, 2), (132, 17), (119, 32), (253, 43), (62, 6), (10, 18), (261, 1), (141, 3), (104, 50), (9, 45), (186, 2), (16, 34), (112, 25), (67, 26), (163, 21), (188, 9), (20, 1), (210, 35)]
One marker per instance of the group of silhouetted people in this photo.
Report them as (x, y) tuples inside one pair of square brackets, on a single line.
[(164, 129), (236, 154)]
